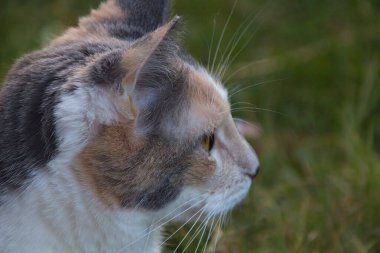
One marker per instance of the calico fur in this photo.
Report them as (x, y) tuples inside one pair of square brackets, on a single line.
[(101, 137)]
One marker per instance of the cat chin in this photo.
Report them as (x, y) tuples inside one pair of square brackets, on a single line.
[(220, 203), (194, 205)]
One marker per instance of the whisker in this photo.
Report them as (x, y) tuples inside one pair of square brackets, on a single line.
[(174, 210), (225, 60), (233, 40), (237, 87), (245, 103), (209, 235), (181, 226), (148, 237), (255, 85), (203, 233), (243, 108), (269, 110), (188, 232), (240, 69), (211, 45), (257, 109), (196, 233), (222, 36), (217, 233), (212, 229), (143, 233), (229, 62)]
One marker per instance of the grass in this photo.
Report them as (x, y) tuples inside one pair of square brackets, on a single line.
[(319, 65)]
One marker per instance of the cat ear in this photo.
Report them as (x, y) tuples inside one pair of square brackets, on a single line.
[(139, 53), (145, 15), (249, 130), (120, 69)]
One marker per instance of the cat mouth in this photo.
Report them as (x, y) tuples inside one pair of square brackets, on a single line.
[(215, 204), (220, 203)]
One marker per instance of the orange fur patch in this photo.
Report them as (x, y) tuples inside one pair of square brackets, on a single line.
[(109, 9), (101, 164), (88, 28), (200, 171), (208, 108)]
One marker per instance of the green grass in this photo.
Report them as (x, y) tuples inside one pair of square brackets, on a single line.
[(319, 65)]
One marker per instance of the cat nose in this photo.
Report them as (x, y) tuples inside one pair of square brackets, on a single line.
[(250, 163), (252, 173)]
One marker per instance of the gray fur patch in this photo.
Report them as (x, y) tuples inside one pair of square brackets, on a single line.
[(27, 100), (146, 14)]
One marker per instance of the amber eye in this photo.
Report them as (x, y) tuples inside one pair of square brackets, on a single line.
[(208, 142)]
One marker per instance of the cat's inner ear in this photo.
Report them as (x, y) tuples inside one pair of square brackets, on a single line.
[(139, 53)]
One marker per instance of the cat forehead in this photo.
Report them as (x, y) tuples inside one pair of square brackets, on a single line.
[(200, 80), (208, 103)]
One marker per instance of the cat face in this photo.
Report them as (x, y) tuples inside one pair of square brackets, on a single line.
[(173, 142), (119, 101), (110, 127)]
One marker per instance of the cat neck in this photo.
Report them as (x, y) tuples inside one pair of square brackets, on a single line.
[(58, 214)]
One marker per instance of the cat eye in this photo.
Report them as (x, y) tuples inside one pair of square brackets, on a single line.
[(208, 142)]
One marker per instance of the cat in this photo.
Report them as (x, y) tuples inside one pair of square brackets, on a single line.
[(112, 130)]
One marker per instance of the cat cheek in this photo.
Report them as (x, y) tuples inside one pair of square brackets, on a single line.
[(200, 171)]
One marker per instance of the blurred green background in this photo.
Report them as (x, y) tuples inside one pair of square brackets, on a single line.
[(310, 78)]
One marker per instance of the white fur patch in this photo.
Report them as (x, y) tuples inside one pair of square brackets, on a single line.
[(55, 214), (217, 84)]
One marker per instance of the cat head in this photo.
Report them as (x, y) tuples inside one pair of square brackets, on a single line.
[(162, 132)]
